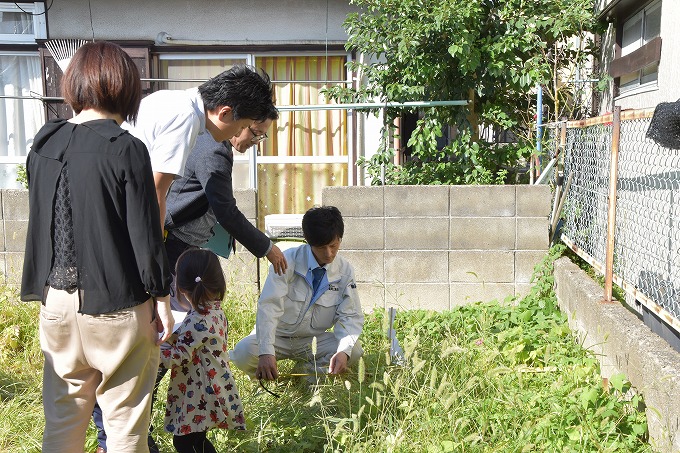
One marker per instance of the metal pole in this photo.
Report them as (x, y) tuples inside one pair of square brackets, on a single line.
[(539, 125), (611, 213)]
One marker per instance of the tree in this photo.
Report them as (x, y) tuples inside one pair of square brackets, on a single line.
[(490, 52)]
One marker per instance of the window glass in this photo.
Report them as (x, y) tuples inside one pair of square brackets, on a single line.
[(16, 23), (193, 70), (306, 149), (652, 23), (20, 119), (632, 32)]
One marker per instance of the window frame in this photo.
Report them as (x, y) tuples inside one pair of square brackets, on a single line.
[(37, 10), (647, 48)]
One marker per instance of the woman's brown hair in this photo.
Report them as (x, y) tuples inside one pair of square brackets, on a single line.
[(101, 76), (200, 276)]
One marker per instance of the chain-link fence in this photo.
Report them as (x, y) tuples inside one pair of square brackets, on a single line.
[(646, 240)]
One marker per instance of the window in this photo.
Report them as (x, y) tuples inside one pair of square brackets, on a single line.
[(20, 80), (22, 22), (306, 150), (638, 31)]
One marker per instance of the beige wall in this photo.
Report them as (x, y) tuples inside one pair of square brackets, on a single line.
[(214, 20)]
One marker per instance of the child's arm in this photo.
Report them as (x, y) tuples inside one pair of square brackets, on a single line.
[(180, 348)]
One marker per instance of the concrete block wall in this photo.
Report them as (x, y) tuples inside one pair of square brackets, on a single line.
[(623, 343), (437, 247), (241, 269)]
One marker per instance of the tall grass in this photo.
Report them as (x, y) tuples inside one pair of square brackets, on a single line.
[(488, 377)]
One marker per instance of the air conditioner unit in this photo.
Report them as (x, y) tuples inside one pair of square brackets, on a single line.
[(283, 226)]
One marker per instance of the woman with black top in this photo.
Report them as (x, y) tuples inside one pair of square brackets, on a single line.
[(95, 258)]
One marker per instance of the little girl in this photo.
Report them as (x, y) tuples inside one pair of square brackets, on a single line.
[(202, 393)]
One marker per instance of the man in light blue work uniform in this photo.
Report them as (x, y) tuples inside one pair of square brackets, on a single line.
[(317, 292)]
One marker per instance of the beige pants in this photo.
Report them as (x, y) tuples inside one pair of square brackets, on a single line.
[(245, 354), (111, 358)]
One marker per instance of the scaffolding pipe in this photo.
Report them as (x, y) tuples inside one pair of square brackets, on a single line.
[(307, 107)]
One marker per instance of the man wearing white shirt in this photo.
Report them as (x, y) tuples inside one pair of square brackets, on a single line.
[(170, 120)]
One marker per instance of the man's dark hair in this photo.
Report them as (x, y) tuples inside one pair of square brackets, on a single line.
[(321, 225), (246, 90), (102, 76)]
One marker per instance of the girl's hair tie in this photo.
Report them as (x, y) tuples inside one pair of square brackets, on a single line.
[(197, 279)]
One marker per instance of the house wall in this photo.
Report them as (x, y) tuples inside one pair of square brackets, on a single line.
[(668, 86), (255, 20)]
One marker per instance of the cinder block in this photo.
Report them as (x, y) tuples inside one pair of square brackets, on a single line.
[(368, 265), (246, 200), (416, 267), (15, 204), (240, 272), (416, 233), (522, 290), (355, 201), (623, 343), (426, 296), (532, 233), (533, 200), (3, 269), (525, 261), (14, 266), (372, 296), (365, 233), (483, 233), (482, 201), (416, 201), (481, 266), (469, 293), (2, 237), (15, 235)]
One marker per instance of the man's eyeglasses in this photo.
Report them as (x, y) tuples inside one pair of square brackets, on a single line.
[(257, 138)]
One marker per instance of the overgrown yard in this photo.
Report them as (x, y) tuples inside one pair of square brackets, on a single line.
[(487, 377)]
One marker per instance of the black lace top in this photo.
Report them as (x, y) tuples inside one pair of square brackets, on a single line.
[(64, 273)]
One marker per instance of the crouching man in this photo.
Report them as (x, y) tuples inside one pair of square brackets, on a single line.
[(316, 293)]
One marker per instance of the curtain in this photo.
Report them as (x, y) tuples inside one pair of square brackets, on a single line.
[(292, 188), (193, 69)]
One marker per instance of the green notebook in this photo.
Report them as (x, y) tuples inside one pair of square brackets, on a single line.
[(221, 243)]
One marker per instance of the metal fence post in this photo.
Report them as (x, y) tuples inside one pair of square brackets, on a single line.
[(611, 213)]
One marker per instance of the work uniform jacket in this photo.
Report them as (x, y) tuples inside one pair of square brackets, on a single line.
[(286, 308)]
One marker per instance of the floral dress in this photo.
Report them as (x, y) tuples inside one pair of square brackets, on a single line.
[(202, 393)]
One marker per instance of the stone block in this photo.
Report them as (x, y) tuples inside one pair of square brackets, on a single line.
[(355, 201), (3, 269), (15, 235), (469, 293), (14, 267), (15, 204), (532, 233), (534, 200), (483, 233), (246, 200), (525, 261), (364, 233), (368, 265), (482, 201), (416, 267), (416, 201), (416, 233), (481, 266), (372, 296), (425, 296), (522, 290)]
